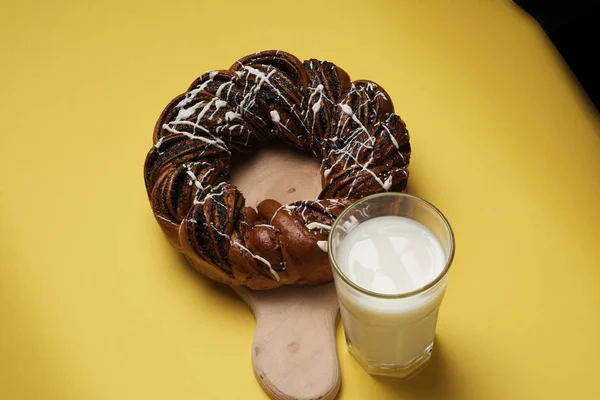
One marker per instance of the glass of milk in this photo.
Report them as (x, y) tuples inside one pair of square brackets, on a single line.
[(391, 253)]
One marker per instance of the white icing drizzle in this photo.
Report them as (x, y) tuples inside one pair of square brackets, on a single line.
[(171, 129), (388, 183), (158, 144), (219, 91), (185, 113), (212, 194), (317, 225), (215, 141), (262, 77), (379, 94), (393, 139), (217, 231), (275, 116), (198, 181), (266, 226), (194, 180), (303, 207), (346, 109), (163, 218), (259, 258), (250, 93), (352, 148), (205, 109), (288, 207), (230, 116), (218, 105), (348, 153), (323, 245), (317, 106), (189, 96)]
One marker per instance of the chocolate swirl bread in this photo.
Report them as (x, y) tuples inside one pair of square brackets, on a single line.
[(349, 126)]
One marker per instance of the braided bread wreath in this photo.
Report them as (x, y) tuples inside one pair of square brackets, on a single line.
[(271, 95)]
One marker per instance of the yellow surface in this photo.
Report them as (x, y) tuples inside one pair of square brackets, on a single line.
[(94, 304)]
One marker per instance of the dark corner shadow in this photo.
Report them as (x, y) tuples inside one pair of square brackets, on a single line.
[(433, 382)]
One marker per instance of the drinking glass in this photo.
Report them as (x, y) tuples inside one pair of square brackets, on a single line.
[(391, 334)]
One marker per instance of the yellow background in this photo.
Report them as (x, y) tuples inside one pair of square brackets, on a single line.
[(94, 304)]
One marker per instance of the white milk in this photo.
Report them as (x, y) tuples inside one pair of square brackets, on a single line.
[(390, 255)]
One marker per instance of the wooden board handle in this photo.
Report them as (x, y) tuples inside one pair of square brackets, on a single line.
[(294, 353)]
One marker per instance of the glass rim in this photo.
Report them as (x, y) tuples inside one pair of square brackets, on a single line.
[(424, 288)]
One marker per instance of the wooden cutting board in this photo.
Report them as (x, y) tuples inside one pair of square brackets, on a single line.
[(294, 354)]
